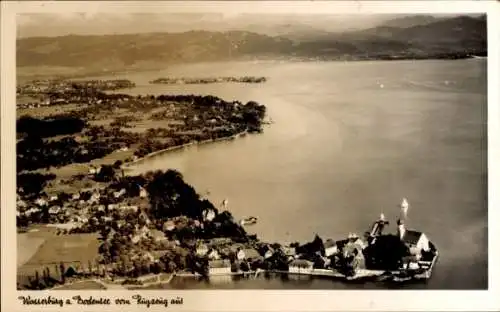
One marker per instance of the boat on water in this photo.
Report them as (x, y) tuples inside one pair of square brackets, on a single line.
[(248, 221)]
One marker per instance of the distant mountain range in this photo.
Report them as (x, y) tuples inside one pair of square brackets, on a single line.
[(407, 37)]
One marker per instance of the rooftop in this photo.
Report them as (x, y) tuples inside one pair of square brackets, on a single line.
[(219, 264), (411, 237), (301, 263)]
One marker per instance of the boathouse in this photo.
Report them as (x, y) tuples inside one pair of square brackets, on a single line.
[(300, 266), (219, 267)]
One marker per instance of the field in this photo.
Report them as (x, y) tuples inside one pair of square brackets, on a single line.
[(84, 285), (26, 247), (75, 249), (45, 111)]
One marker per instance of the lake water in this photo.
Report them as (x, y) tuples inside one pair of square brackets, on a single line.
[(349, 140)]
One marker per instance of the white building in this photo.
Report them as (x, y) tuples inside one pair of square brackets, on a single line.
[(31, 211), (119, 193), (330, 248), (241, 255), (219, 267), (41, 202), (415, 240), (213, 254), (134, 208), (54, 209), (169, 226), (268, 254), (143, 193), (209, 214)]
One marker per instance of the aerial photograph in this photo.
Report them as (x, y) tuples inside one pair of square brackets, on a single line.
[(251, 151)]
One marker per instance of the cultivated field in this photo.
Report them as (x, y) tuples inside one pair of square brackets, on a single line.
[(74, 249)]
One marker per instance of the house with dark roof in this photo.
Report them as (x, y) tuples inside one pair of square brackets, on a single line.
[(415, 240)]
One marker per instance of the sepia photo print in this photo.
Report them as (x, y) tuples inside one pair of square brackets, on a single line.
[(243, 150)]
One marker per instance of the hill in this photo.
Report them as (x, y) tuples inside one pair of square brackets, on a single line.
[(437, 39), (410, 21)]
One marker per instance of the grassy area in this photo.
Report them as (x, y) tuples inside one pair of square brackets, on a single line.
[(143, 125), (27, 246), (40, 112), (75, 249), (83, 285), (113, 157)]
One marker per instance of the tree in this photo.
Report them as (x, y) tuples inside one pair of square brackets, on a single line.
[(90, 267), (117, 164), (386, 253), (106, 174), (170, 196), (63, 272), (37, 279)]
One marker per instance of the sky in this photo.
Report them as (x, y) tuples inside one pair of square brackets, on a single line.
[(50, 24)]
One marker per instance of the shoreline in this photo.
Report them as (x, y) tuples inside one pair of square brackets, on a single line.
[(127, 165), (125, 71), (334, 275)]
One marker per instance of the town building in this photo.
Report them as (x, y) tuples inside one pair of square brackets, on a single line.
[(169, 226), (300, 266), (213, 254), (209, 214), (143, 193), (219, 267), (416, 241), (330, 248)]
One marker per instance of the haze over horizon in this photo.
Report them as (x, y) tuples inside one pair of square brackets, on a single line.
[(57, 24)]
